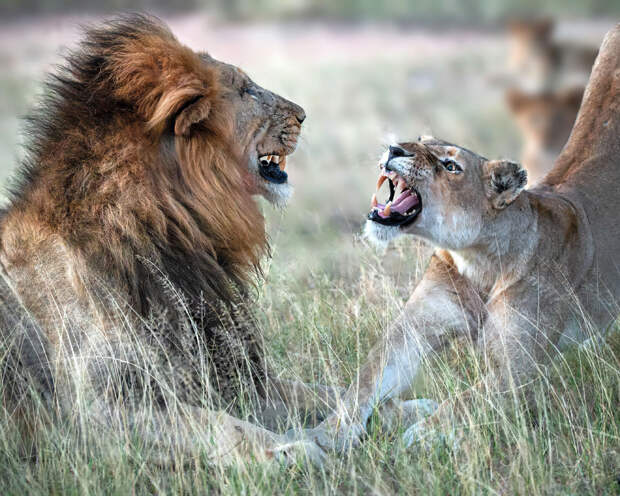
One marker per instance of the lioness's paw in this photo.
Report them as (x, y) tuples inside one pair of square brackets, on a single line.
[(297, 451), (335, 439), (424, 434)]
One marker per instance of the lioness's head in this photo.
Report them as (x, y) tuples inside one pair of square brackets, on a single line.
[(545, 118), (441, 192)]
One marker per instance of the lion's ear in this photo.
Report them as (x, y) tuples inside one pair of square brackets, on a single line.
[(194, 111), (503, 180), (183, 107)]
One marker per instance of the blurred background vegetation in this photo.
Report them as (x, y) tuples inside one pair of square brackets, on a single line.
[(472, 11)]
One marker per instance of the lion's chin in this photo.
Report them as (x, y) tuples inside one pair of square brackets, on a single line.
[(277, 194), (380, 235)]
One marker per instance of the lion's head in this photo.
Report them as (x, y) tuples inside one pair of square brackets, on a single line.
[(441, 192), (145, 149)]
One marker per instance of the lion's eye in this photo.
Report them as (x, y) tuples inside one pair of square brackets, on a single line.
[(248, 90), (452, 166)]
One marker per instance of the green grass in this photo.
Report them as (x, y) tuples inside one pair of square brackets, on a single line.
[(328, 297)]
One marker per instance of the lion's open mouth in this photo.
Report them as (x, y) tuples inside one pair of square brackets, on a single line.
[(395, 212), (271, 168)]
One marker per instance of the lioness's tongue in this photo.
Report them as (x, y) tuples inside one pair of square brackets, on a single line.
[(405, 201)]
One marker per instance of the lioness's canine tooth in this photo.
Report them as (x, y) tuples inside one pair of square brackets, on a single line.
[(283, 163), (374, 202), (380, 181), (388, 208), (275, 159)]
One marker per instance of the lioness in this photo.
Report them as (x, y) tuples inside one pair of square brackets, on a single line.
[(130, 240), (545, 120), (538, 61), (515, 268)]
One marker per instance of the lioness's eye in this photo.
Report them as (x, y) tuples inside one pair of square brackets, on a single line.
[(452, 167)]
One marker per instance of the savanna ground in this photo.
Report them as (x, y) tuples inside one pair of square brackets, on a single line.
[(328, 295)]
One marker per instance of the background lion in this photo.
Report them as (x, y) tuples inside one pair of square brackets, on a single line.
[(132, 235)]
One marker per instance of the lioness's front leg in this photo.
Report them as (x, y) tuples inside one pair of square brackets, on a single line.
[(442, 306)]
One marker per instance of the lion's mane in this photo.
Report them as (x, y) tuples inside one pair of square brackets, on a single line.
[(131, 162)]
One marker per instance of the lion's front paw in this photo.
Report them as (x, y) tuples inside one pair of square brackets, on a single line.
[(297, 451)]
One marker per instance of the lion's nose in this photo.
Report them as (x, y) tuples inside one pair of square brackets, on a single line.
[(301, 115)]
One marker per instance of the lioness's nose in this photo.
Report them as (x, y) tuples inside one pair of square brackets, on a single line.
[(396, 151)]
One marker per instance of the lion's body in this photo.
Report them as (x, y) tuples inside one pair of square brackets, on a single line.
[(131, 238), (516, 270)]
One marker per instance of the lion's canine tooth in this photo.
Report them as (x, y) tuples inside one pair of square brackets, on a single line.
[(388, 208), (283, 163), (374, 202), (275, 159), (381, 180)]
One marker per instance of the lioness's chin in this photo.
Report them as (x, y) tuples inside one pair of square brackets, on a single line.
[(380, 234)]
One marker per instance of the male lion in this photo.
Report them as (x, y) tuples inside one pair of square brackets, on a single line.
[(515, 268), (131, 237)]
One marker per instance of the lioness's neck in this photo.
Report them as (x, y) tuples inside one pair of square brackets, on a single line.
[(502, 251)]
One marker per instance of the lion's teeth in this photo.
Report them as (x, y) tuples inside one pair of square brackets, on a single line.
[(275, 159), (380, 181), (283, 163), (374, 202), (388, 208)]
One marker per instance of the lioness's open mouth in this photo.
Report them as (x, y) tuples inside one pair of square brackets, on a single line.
[(395, 212), (271, 168)]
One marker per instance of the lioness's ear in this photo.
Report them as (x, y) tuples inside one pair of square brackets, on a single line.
[(516, 100), (503, 180)]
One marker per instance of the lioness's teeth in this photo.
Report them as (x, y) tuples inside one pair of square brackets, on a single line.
[(283, 163), (374, 202), (388, 208), (275, 159), (380, 181)]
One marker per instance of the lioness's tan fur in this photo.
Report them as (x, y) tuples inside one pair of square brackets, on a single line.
[(516, 269)]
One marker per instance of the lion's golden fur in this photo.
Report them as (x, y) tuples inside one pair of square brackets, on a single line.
[(133, 182)]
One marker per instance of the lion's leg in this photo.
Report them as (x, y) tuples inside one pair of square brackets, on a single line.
[(184, 432), (304, 398)]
